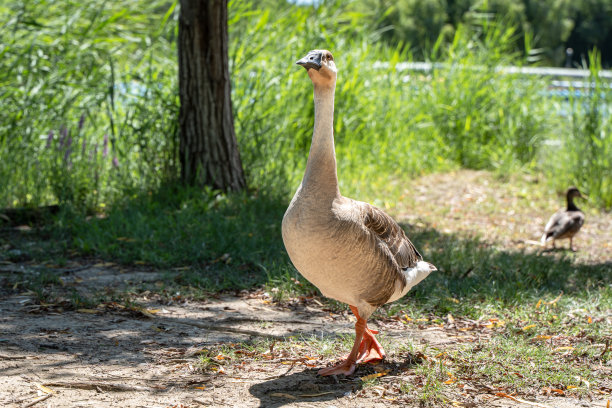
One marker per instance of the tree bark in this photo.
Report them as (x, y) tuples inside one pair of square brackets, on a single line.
[(208, 148)]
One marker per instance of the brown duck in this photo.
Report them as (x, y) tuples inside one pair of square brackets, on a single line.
[(565, 223)]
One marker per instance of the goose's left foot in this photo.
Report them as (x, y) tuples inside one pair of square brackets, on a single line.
[(370, 350), (347, 367)]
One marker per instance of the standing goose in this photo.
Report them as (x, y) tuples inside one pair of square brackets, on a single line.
[(352, 251), (565, 223)]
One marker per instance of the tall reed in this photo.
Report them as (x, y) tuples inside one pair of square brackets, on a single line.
[(114, 64), (584, 154), (110, 63)]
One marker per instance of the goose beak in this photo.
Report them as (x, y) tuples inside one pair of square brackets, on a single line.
[(311, 60)]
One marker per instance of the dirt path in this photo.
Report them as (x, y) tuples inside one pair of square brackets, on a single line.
[(116, 356), (112, 356)]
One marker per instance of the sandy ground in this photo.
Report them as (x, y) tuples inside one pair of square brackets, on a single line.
[(114, 357)]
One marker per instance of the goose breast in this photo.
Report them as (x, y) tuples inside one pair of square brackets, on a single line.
[(352, 251)]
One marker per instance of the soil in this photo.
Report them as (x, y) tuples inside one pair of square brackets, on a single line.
[(124, 358), (112, 355)]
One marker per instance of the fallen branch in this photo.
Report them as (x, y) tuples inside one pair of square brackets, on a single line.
[(104, 386), (37, 400), (606, 347), (5, 357), (535, 404), (229, 329)]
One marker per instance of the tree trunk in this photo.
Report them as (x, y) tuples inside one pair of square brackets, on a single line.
[(208, 148)]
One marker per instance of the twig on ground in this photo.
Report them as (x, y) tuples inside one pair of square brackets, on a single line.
[(37, 400), (532, 242), (535, 404), (230, 330), (5, 357), (235, 319), (315, 395), (288, 371), (606, 347), (467, 272), (94, 385)]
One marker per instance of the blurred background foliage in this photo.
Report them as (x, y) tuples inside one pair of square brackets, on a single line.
[(90, 105), (554, 24)]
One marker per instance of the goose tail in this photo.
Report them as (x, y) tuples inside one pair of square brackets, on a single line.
[(419, 272)]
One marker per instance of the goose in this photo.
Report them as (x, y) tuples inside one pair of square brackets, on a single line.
[(565, 223), (350, 250)]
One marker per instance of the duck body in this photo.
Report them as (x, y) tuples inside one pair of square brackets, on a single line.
[(352, 251), (565, 223)]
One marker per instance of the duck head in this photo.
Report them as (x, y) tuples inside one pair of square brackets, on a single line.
[(573, 192)]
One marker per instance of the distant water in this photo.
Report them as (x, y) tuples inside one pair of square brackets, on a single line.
[(305, 2)]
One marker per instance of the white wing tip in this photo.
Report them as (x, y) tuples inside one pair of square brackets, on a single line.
[(423, 266)]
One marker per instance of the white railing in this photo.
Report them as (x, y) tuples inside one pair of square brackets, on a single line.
[(539, 71)]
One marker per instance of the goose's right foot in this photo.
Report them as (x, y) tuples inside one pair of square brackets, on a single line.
[(347, 367)]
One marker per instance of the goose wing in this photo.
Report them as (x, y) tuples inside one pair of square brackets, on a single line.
[(394, 251), (392, 236)]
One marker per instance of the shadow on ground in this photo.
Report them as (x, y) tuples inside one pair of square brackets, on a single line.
[(304, 386), (477, 271)]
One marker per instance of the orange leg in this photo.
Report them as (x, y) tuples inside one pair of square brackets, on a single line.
[(366, 348), (370, 349)]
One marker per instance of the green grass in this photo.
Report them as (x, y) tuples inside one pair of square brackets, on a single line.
[(114, 66), (225, 241), (522, 364)]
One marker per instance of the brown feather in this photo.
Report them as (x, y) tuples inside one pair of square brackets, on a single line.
[(393, 245)]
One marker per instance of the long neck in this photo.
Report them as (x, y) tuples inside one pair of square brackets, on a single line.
[(570, 204), (320, 172)]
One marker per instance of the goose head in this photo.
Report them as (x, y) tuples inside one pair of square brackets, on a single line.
[(320, 66)]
